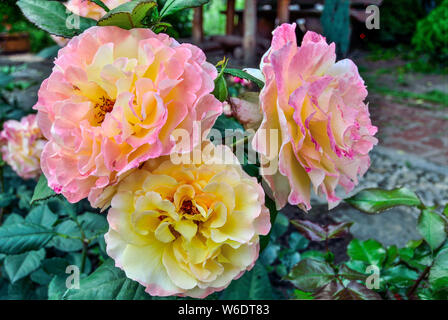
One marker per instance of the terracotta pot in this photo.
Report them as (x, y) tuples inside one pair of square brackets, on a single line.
[(14, 42)]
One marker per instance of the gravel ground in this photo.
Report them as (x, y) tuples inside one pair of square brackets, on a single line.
[(389, 169)]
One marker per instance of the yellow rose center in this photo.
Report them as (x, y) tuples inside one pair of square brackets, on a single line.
[(105, 105)]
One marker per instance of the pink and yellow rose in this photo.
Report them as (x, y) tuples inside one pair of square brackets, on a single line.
[(21, 144), (316, 105), (112, 102), (187, 229)]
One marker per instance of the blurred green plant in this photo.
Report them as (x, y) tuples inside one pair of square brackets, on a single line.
[(13, 21), (431, 36), (398, 20)]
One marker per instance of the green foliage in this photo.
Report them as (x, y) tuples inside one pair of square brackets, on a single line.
[(370, 252), (315, 232), (310, 274), (42, 190), (432, 226), (418, 270), (128, 15), (220, 92), (431, 34), (172, 6), (106, 283), (18, 238), (438, 276), (21, 265), (275, 255), (398, 20), (181, 22), (253, 285), (244, 75), (377, 200), (13, 21), (52, 17)]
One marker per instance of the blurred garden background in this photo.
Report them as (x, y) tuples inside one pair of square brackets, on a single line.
[(404, 64)]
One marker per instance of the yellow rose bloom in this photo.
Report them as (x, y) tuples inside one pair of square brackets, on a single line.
[(187, 229)]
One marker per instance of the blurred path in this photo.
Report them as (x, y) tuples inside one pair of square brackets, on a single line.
[(418, 131)]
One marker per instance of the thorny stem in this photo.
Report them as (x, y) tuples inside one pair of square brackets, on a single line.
[(411, 291), (84, 254), (85, 245)]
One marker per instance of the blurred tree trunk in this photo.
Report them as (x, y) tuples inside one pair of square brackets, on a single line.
[(283, 11), (230, 15), (250, 31), (198, 30)]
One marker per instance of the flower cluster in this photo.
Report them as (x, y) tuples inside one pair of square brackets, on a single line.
[(112, 110), (21, 144), (315, 107)]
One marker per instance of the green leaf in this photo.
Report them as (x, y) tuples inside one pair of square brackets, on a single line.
[(392, 254), (21, 265), (244, 75), (302, 295), (297, 242), (18, 238), (108, 283), (317, 255), (356, 291), (400, 276), (338, 230), (253, 285), (52, 17), (377, 200), (269, 254), (39, 276), (348, 273), (128, 15), (6, 199), (431, 226), (280, 226), (369, 251), (57, 287), (42, 215), (75, 258), (172, 6), (231, 124), (289, 258), (312, 231), (93, 224), (21, 290), (55, 266), (101, 4), (279, 223), (445, 210), (13, 218), (220, 92), (42, 190), (68, 238), (328, 291), (316, 232), (438, 275), (310, 274)]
